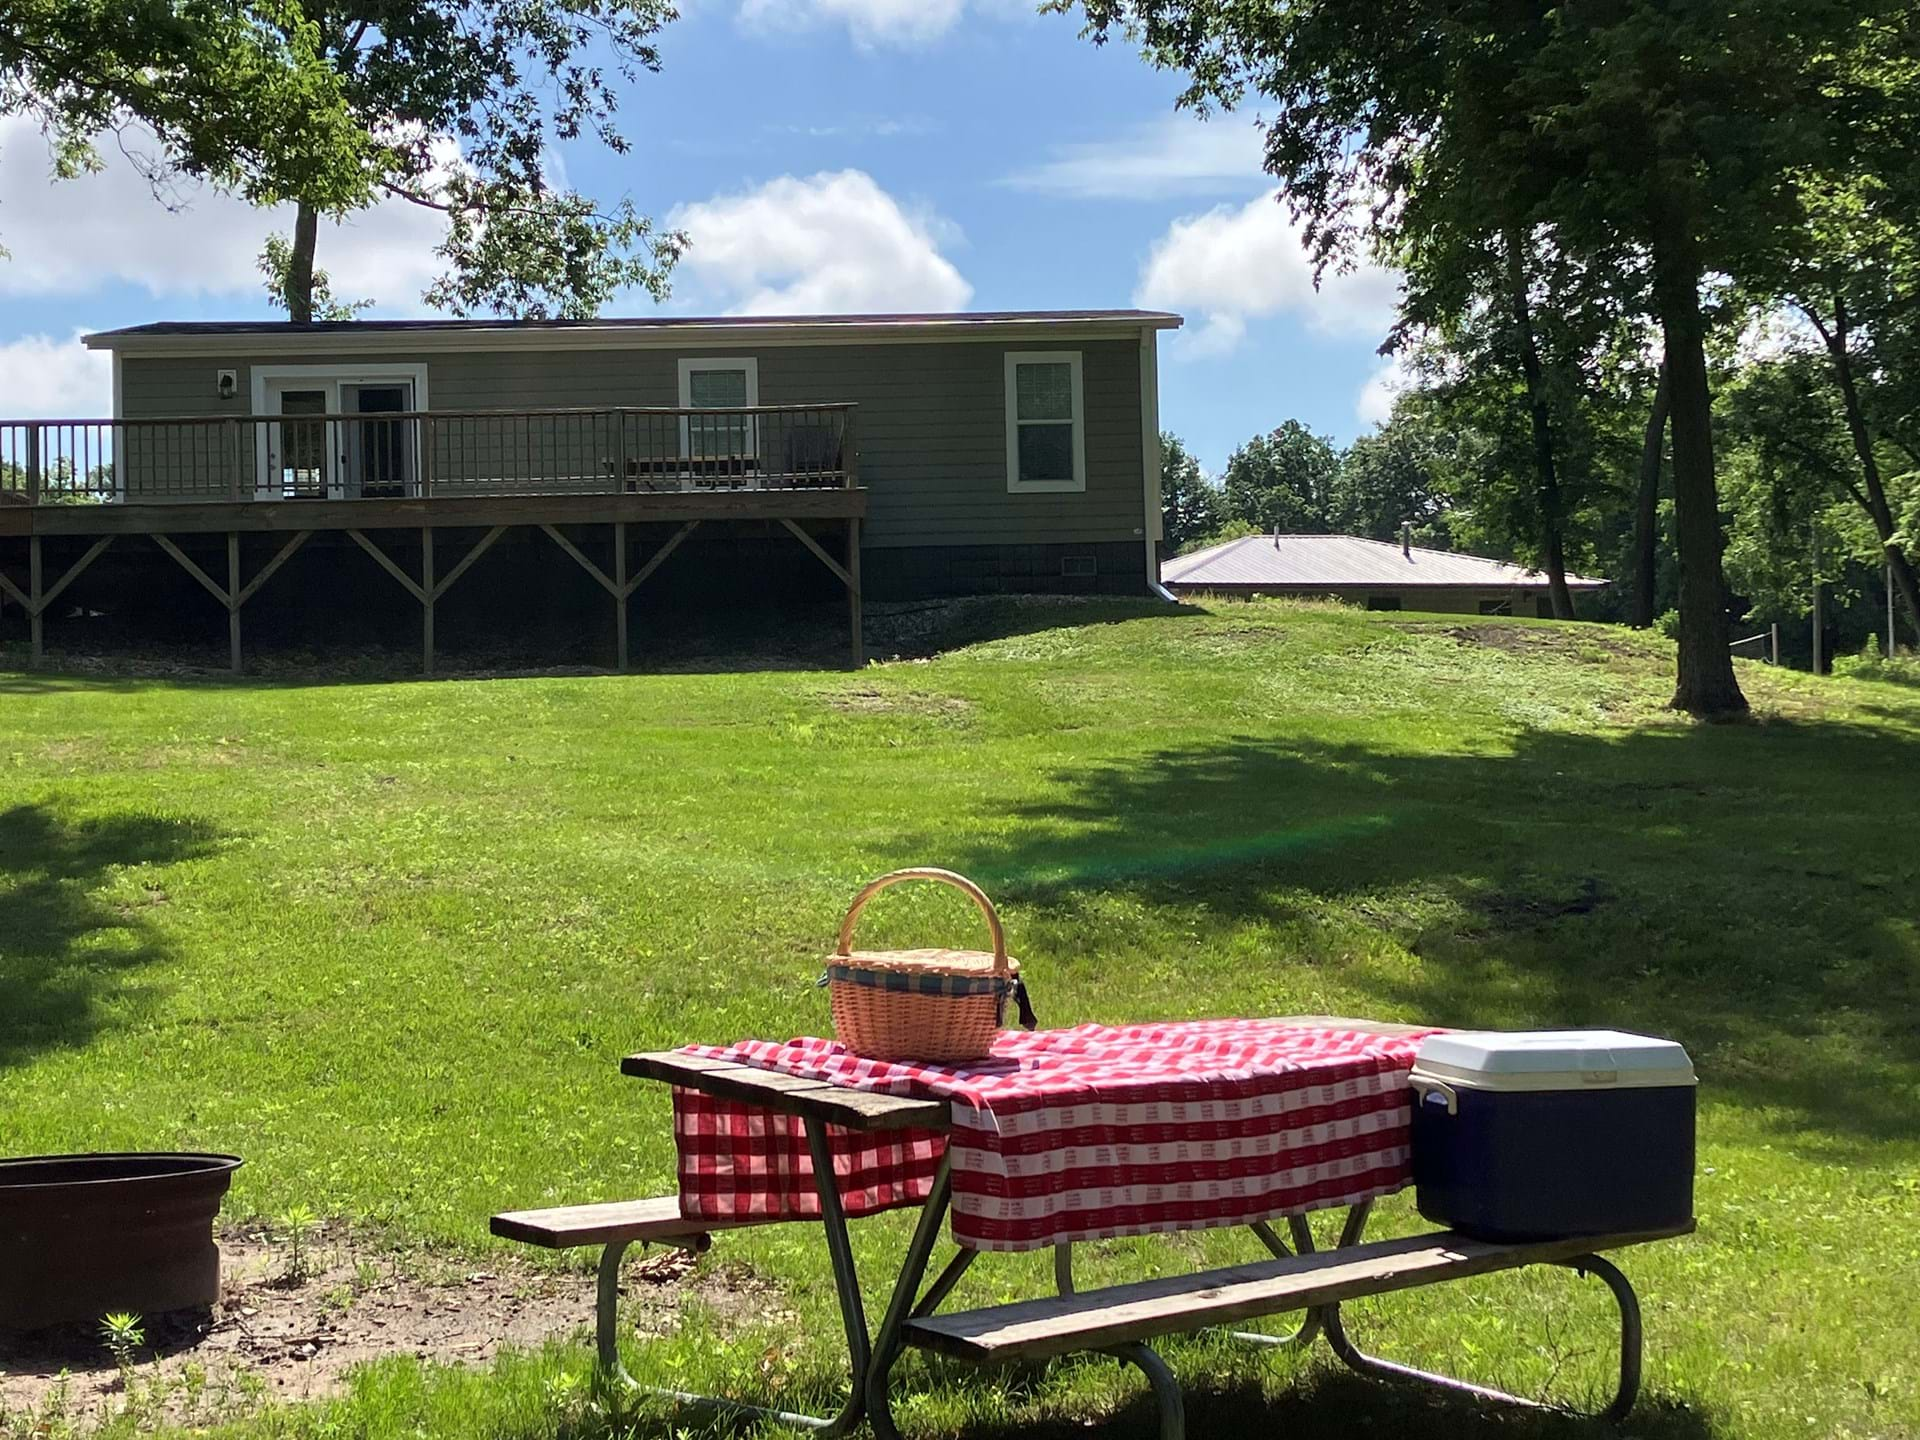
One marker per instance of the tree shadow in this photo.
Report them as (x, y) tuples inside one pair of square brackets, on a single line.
[(794, 637), (65, 952), (1323, 1403), (1741, 888)]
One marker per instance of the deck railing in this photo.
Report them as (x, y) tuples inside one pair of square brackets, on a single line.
[(427, 452)]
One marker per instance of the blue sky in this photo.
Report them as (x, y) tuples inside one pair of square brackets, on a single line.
[(823, 155)]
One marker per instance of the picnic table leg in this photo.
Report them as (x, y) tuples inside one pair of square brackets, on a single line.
[(1144, 1358), (1631, 1338), (846, 1283), (1309, 1328), (913, 1269)]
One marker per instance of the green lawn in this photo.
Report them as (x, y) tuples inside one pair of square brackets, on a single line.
[(389, 940)]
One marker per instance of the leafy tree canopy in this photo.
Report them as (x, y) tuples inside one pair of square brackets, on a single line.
[(1283, 481), (239, 92), (464, 102)]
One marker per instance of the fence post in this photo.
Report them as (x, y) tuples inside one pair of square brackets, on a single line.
[(33, 462), (240, 486), (426, 456)]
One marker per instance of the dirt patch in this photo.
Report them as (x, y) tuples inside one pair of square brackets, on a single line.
[(1577, 643), (909, 702), (1507, 912), (275, 1336)]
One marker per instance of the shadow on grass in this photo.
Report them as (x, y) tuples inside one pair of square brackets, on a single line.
[(802, 637), (65, 953), (1741, 888), (1323, 1404)]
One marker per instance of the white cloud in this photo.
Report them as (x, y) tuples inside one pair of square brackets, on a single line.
[(878, 24), (1172, 155), (1375, 403), (44, 377), (1237, 263), (832, 242), (870, 22), (71, 237)]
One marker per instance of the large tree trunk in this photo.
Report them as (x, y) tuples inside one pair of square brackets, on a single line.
[(1873, 499), (1706, 686), (299, 279), (1646, 509), (1553, 546)]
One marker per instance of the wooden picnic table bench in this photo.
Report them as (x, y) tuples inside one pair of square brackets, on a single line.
[(1117, 1319)]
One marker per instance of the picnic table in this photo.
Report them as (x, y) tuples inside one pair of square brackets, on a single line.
[(1067, 1136)]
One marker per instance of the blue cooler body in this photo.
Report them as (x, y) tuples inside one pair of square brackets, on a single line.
[(1535, 1135)]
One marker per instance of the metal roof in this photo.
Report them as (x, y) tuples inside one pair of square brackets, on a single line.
[(955, 320), (1327, 562)]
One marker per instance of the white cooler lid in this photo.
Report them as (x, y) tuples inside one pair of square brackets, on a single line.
[(1551, 1060)]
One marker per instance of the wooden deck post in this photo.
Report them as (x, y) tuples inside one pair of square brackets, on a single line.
[(621, 594), (853, 592), (36, 604), (233, 599), (427, 598), (33, 463)]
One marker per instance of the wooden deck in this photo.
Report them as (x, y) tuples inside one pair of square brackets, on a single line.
[(554, 471)]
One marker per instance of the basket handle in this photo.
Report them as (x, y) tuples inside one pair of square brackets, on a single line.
[(946, 877)]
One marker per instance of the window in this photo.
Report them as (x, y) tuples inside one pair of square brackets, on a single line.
[(1383, 602), (726, 384), (1496, 607), (1046, 415)]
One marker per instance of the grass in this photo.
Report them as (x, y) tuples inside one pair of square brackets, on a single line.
[(389, 940)]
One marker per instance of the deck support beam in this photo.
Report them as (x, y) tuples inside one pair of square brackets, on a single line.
[(233, 596), (848, 575), (36, 598), (427, 590), (620, 599), (619, 586), (855, 621)]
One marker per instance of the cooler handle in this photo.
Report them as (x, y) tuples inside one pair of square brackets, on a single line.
[(1425, 1087)]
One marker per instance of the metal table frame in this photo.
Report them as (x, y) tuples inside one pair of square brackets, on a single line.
[(872, 1354)]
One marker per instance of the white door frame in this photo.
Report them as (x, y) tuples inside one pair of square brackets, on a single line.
[(269, 380)]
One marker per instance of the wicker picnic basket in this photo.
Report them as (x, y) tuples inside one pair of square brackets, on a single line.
[(943, 1005)]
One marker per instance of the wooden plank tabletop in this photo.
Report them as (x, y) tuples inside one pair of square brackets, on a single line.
[(1386, 1028), (789, 1094)]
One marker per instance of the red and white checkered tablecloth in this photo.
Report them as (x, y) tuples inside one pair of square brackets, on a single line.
[(1078, 1134)]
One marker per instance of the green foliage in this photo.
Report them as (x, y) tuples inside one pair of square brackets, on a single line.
[(275, 260), (467, 104), (1400, 474), (239, 92), (1282, 481), (123, 1334), (1873, 663), (1189, 502)]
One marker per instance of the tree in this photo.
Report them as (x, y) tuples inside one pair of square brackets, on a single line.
[(1795, 469), (1282, 481), (237, 92), (1679, 131), (463, 101), (1189, 502), (1646, 507), (1397, 477)]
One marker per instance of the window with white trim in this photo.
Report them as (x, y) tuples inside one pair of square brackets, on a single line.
[(1046, 421), (728, 383)]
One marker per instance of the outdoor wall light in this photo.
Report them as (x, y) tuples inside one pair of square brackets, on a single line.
[(226, 382)]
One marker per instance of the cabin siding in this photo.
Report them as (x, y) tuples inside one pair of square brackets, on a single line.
[(931, 423)]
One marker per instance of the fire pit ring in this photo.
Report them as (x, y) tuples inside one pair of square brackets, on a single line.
[(85, 1235)]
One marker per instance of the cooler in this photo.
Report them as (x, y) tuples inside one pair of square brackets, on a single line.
[(1537, 1134)]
